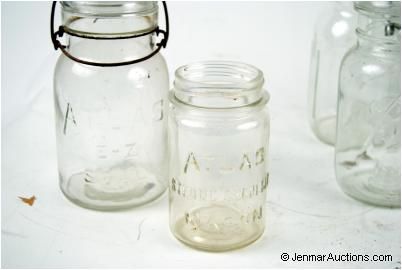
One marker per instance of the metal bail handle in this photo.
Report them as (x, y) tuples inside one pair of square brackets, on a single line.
[(61, 31)]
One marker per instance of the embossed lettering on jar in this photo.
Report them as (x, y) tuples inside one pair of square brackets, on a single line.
[(110, 122), (218, 147)]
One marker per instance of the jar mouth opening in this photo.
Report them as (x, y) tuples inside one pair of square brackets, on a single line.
[(220, 74), (218, 84)]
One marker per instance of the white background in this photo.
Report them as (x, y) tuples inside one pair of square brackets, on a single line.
[(307, 212)]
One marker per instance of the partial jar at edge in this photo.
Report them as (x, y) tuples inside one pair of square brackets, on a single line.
[(368, 144), (111, 125), (334, 35), (218, 147)]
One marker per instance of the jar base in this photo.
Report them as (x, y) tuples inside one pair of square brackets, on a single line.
[(114, 189), (325, 129), (356, 186), (216, 228)]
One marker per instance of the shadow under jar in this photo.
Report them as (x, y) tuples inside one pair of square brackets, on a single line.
[(110, 123), (218, 146)]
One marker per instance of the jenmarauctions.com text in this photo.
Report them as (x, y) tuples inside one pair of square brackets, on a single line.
[(330, 257)]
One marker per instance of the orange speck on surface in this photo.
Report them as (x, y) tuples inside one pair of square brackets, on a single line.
[(29, 201)]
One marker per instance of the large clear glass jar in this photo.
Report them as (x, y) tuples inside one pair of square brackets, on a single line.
[(111, 124), (333, 36), (218, 147), (368, 144)]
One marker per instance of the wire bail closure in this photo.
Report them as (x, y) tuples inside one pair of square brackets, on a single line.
[(60, 32)]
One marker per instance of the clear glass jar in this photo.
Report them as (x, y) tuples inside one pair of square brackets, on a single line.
[(218, 147), (111, 125), (368, 144), (333, 36)]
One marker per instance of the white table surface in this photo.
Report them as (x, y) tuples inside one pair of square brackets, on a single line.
[(307, 211)]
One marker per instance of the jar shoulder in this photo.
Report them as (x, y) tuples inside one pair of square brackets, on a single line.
[(366, 76), (155, 67), (361, 64), (224, 121)]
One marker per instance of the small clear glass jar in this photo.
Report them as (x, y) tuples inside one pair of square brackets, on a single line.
[(334, 35), (368, 144), (218, 148), (111, 125)]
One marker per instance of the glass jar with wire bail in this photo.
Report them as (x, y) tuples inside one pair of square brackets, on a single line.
[(368, 143), (110, 91), (218, 147)]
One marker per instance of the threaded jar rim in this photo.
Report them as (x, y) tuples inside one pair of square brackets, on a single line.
[(218, 84)]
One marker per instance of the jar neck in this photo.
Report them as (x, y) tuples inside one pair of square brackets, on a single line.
[(100, 31), (108, 51), (109, 19), (218, 84), (378, 34), (379, 25), (377, 45), (387, 31)]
